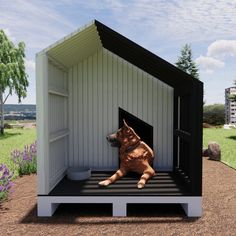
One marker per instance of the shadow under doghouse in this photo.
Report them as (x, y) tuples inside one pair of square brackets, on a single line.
[(100, 214)]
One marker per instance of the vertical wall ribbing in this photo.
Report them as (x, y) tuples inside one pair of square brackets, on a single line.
[(100, 153), (42, 75), (95, 108), (90, 109), (103, 82), (75, 125), (71, 120), (110, 100), (58, 122)]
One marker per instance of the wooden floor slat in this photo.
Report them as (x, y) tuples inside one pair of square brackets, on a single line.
[(163, 184), (95, 182)]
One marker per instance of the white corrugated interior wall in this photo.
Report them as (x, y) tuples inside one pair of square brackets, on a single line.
[(58, 123), (100, 84)]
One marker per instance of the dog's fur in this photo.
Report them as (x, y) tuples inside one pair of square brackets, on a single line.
[(135, 156)]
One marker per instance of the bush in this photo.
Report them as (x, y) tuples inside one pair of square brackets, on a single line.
[(214, 114), (26, 160), (7, 126), (5, 182)]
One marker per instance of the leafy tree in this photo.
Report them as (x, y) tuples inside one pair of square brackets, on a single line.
[(214, 114), (186, 63), (13, 77), (233, 96)]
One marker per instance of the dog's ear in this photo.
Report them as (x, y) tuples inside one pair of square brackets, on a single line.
[(125, 124)]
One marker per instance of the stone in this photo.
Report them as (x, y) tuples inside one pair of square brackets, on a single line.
[(214, 151), (205, 152)]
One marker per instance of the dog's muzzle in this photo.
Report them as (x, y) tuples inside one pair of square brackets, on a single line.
[(113, 140)]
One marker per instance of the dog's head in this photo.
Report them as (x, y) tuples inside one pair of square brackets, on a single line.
[(124, 136)]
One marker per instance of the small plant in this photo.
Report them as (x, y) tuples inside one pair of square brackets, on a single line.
[(5, 182), (26, 160)]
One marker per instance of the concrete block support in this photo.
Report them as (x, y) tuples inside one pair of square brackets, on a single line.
[(119, 209), (47, 205), (193, 208)]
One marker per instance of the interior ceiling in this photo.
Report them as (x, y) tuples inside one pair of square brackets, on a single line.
[(81, 44)]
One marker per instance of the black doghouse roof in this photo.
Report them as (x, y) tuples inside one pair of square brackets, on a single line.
[(87, 40)]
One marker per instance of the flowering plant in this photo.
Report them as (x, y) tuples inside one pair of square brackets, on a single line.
[(5, 181), (26, 160)]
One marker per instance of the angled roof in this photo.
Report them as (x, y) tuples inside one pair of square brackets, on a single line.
[(92, 37)]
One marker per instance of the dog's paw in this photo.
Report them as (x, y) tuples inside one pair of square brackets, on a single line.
[(104, 183), (140, 185)]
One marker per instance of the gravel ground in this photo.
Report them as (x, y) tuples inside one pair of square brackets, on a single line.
[(18, 215)]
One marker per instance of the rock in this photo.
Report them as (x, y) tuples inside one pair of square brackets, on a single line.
[(205, 152), (214, 151), (206, 125)]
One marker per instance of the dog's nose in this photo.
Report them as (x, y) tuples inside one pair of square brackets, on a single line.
[(107, 138)]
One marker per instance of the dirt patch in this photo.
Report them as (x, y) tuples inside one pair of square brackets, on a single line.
[(18, 215)]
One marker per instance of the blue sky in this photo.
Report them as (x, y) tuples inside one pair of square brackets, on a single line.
[(162, 27)]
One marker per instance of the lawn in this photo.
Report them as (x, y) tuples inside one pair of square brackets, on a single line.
[(12, 139), (227, 141), (17, 138)]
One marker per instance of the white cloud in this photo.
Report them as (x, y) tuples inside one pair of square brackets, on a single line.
[(30, 65), (222, 48), (9, 34), (113, 5), (157, 25), (37, 23), (217, 52), (184, 21), (209, 64), (40, 23)]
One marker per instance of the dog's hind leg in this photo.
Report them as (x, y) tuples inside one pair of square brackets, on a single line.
[(119, 173), (147, 174)]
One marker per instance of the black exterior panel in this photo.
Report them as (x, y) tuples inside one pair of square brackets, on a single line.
[(190, 91)]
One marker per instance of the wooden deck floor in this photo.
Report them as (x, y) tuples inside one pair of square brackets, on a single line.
[(163, 184)]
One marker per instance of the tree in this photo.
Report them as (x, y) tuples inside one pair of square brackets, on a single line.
[(186, 63), (233, 96), (214, 114), (13, 77)]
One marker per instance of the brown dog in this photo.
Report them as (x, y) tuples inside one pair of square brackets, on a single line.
[(135, 156)]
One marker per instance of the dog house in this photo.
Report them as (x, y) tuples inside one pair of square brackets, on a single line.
[(87, 82)]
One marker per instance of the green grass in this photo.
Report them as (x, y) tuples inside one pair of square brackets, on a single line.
[(14, 139), (17, 138), (227, 141)]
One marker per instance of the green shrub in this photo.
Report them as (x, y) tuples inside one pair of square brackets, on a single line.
[(214, 114)]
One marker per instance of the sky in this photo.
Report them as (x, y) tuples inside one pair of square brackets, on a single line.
[(162, 27)]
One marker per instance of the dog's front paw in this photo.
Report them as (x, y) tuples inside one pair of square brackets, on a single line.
[(104, 182), (140, 185)]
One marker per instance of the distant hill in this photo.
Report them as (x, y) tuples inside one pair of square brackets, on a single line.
[(19, 108)]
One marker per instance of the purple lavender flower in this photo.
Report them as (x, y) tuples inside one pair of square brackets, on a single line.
[(5, 180), (33, 148), (16, 154), (6, 172), (9, 185), (2, 166), (25, 156), (26, 160)]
